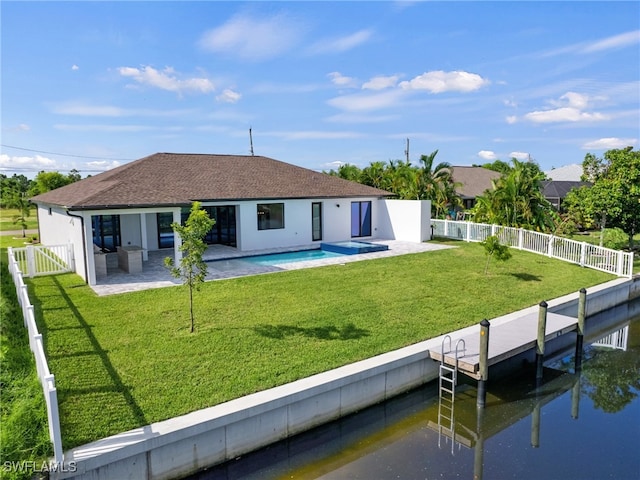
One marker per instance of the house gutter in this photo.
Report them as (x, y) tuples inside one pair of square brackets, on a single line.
[(84, 245)]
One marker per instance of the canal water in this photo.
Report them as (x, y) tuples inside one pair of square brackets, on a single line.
[(581, 424)]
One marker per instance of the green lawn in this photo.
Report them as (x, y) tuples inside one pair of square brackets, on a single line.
[(8, 216), (128, 360)]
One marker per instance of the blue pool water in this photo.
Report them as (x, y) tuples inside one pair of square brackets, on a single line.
[(287, 257)]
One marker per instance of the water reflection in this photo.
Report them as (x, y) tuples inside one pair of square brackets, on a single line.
[(581, 424)]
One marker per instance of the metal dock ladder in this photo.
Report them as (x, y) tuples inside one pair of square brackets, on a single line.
[(447, 393)]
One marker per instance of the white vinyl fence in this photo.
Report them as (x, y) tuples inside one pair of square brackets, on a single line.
[(582, 253), (47, 379), (35, 260)]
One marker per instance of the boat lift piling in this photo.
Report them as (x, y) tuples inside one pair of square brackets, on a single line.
[(542, 327), (582, 301)]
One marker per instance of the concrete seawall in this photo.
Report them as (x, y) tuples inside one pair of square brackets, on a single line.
[(183, 445)]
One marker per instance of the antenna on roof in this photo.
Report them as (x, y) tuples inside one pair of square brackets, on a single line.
[(251, 141), (406, 152)]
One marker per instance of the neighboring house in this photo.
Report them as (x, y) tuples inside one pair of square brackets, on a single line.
[(475, 181), (556, 191), (568, 173), (257, 202)]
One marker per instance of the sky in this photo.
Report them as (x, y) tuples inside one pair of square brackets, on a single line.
[(93, 85)]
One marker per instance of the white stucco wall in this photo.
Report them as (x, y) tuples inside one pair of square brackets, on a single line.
[(58, 228), (336, 223), (406, 220), (130, 230)]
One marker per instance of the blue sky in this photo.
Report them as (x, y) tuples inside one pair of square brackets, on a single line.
[(92, 85)]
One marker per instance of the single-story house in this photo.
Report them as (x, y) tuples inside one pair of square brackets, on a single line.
[(567, 173), (556, 190), (474, 182), (257, 203)]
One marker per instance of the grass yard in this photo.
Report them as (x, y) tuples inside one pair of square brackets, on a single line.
[(8, 216), (127, 360)]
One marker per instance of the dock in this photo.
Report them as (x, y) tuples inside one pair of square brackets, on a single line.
[(505, 341)]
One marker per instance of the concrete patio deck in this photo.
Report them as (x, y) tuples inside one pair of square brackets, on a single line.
[(155, 275)]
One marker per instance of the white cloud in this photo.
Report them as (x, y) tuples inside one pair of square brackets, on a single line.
[(356, 118), (23, 127), (229, 96), (381, 82), (314, 135), (564, 114), (572, 99), (341, 80), (439, 81), (103, 128), (609, 143), (510, 103), (75, 67), (35, 163), (167, 79), (89, 110), (616, 41), (487, 155), (571, 108), (253, 39), (511, 119), (364, 102), (333, 165), (102, 165), (519, 155), (342, 44)]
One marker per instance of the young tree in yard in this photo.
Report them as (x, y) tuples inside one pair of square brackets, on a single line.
[(192, 269), (493, 248)]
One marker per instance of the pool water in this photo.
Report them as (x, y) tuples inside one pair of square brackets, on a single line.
[(273, 259)]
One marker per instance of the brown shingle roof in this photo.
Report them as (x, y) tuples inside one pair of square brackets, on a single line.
[(474, 180), (179, 179)]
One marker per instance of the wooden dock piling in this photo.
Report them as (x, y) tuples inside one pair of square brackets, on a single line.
[(582, 301), (542, 326), (483, 370)]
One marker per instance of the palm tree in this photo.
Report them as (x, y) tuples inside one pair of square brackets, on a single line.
[(516, 200), (435, 182)]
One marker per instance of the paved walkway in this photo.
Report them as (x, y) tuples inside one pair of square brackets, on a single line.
[(156, 275)]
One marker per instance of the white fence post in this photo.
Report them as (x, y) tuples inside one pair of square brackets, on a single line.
[(31, 262), (520, 238), (54, 419), (446, 228), (583, 253), (468, 236), (550, 246)]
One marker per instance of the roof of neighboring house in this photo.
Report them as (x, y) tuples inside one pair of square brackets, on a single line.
[(559, 189), (180, 179), (568, 173), (474, 180)]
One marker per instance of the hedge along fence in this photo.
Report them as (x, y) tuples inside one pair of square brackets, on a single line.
[(47, 379), (584, 254)]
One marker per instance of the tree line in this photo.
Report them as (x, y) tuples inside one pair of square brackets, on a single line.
[(15, 191), (516, 198)]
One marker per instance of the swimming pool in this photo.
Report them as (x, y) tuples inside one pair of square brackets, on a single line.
[(353, 247), (272, 259)]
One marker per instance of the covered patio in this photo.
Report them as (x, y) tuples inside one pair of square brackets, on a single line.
[(155, 274)]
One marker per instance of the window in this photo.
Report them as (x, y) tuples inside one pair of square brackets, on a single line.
[(106, 231), (360, 219), (165, 232), (316, 221), (270, 216)]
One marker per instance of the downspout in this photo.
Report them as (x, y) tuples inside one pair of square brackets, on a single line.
[(84, 245)]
